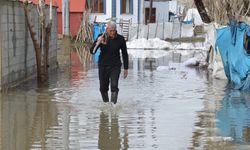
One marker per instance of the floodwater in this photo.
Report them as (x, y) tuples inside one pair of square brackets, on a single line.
[(162, 105)]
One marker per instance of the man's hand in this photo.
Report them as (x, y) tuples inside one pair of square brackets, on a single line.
[(125, 73), (101, 39)]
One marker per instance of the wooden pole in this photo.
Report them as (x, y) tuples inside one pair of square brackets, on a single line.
[(150, 10), (65, 17)]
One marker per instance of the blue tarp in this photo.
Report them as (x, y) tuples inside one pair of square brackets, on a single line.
[(188, 22), (236, 61), (248, 32), (98, 29)]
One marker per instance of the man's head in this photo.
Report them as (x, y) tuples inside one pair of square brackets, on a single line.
[(111, 29)]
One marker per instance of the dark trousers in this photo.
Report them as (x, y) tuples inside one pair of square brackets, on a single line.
[(109, 75)]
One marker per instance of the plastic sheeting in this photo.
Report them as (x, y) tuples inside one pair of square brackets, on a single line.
[(98, 29), (236, 62), (215, 62), (193, 16)]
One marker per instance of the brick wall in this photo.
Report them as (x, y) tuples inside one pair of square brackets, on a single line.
[(18, 60)]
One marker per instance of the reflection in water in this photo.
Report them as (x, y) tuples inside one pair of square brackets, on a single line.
[(151, 59), (224, 122), (109, 136), (205, 136), (234, 116), (26, 118), (169, 109)]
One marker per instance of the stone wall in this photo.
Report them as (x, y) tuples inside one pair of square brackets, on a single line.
[(17, 55)]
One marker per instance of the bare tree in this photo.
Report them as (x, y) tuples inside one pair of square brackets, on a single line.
[(42, 46), (201, 8), (221, 10)]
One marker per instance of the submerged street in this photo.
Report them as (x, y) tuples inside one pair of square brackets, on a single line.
[(183, 84), (161, 105)]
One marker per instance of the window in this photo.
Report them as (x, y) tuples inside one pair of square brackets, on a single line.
[(149, 19), (126, 6), (97, 6)]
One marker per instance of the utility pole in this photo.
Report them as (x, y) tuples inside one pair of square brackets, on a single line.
[(64, 55), (142, 12), (150, 11), (65, 17)]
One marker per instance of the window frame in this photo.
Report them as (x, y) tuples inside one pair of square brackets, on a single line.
[(99, 9), (131, 5)]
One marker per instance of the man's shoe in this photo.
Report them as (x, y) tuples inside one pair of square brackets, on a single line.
[(114, 96), (105, 97)]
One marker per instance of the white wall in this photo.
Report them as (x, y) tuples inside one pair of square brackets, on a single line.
[(173, 6), (142, 12), (162, 10)]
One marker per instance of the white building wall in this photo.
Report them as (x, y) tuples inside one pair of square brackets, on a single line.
[(142, 12), (133, 16), (173, 7), (162, 10)]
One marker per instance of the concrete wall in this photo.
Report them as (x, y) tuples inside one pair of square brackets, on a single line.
[(164, 30), (18, 60)]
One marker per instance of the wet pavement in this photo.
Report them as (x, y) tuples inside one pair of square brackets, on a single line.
[(161, 105)]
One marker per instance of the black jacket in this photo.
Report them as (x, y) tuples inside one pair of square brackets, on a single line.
[(110, 53)]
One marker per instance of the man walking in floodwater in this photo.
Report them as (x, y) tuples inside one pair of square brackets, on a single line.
[(109, 63)]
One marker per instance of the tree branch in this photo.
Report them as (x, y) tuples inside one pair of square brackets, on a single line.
[(203, 13)]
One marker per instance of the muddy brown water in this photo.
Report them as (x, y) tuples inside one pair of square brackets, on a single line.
[(162, 105)]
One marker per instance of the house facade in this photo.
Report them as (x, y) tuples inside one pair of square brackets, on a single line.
[(135, 10), (104, 10), (161, 10)]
